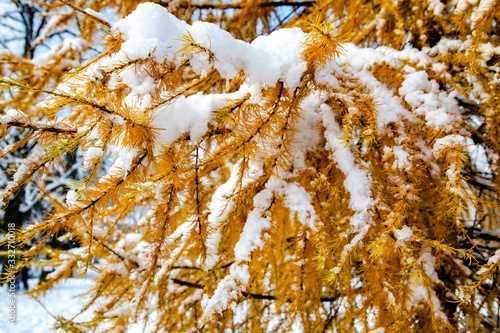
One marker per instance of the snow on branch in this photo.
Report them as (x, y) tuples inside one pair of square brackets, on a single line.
[(286, 169)]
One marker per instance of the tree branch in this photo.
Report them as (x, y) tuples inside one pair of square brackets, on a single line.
[(244, 293), (53, 129), (484, 234), (84, 12), (240, 5)]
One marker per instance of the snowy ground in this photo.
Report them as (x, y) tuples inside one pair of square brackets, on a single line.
[(31, 317), (65, 299)]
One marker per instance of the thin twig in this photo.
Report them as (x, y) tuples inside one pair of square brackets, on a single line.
[(84, 12)]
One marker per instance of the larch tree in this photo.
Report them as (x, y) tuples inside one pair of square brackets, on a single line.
[(263, 165), (21, 28)]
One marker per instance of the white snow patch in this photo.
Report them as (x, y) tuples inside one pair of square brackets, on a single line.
[(12, 115), (403, 235), (96, 14), (451, 141)]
